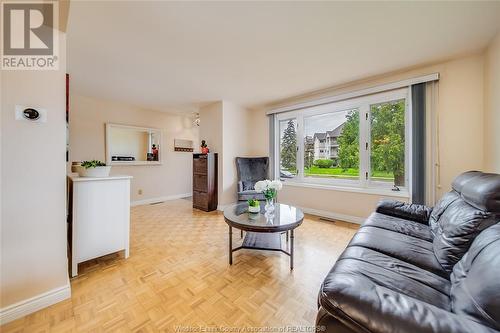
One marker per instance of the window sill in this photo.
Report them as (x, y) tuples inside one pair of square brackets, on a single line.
[(374, 191)]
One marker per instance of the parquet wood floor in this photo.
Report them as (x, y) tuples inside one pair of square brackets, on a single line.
[(178, 275)]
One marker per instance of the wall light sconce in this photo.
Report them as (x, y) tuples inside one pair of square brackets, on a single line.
[(197, 119)]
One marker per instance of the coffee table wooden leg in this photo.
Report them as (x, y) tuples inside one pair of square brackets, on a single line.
[(241, 233), (291, 248), (230, 245)]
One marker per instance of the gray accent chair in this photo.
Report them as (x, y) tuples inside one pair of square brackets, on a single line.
[(251, 170)]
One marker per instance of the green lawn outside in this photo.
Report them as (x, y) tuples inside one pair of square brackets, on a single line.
[(347, 174)]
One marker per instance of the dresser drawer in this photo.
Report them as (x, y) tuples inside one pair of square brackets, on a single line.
[(205, 181), (200, 183), (200, 200), (200, 165)]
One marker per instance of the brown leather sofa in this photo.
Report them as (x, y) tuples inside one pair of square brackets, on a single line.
[(412, 268)]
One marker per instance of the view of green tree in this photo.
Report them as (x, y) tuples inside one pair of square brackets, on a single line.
[(349, 142), (388, 139), (308, 158), (308, 152), (289, 147)]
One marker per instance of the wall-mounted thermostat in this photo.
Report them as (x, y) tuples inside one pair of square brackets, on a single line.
[(32, 114)]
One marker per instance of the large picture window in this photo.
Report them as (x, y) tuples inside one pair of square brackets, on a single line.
[(360, 143)]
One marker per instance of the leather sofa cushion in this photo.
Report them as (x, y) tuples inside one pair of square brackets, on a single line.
[(414, 212), (475, 291), (395, 274), (460, 180), (363, 306), (455, 230), (368, 291), (410, 249), (483, 192), (440, 208), (405, 227), (480, 190)]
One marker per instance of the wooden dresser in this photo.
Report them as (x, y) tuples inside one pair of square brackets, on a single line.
[(205, 181)]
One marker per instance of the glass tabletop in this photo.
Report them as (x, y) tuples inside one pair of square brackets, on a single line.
[(284, 217)]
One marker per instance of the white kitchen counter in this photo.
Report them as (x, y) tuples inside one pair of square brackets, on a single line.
[(99, 216), (75, 178)]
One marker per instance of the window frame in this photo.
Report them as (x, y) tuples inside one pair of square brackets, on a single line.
[(364, 183)]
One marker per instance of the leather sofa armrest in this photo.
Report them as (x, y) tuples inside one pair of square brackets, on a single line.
[(414, 212), (326, 323), (361, 306)]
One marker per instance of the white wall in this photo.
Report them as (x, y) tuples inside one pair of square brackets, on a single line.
[(492, 106), (211, 132), (460, 107), (211, 126), (223, 125), (33, 187), (173, 178), (236, 142)]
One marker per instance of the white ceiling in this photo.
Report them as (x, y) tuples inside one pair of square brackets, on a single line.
[(166, 55)]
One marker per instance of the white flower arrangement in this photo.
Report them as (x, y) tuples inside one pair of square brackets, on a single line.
[(269, 187)]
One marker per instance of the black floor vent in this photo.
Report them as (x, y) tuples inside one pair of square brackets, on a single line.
[(327, 219)]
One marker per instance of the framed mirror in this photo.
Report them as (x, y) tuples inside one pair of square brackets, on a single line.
[(132, 145)]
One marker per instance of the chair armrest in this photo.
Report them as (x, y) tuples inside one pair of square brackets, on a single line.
[(363, 307), (414, 212), (240, 186)]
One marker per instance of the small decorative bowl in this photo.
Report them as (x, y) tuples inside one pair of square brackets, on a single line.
[(254, 209)]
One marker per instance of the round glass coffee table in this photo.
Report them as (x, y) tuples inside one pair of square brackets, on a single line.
[(263, 230)]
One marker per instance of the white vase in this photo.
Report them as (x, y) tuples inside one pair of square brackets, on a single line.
[(97, 172), (269, 205)]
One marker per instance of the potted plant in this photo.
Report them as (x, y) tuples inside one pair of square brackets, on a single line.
[(253, 206), (204, 147), (93, 168), (270, 189)]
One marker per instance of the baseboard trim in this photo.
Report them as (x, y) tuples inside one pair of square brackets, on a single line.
[(334, 216), (159, 199), (28, 306), (322, 213), (221, 207)]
